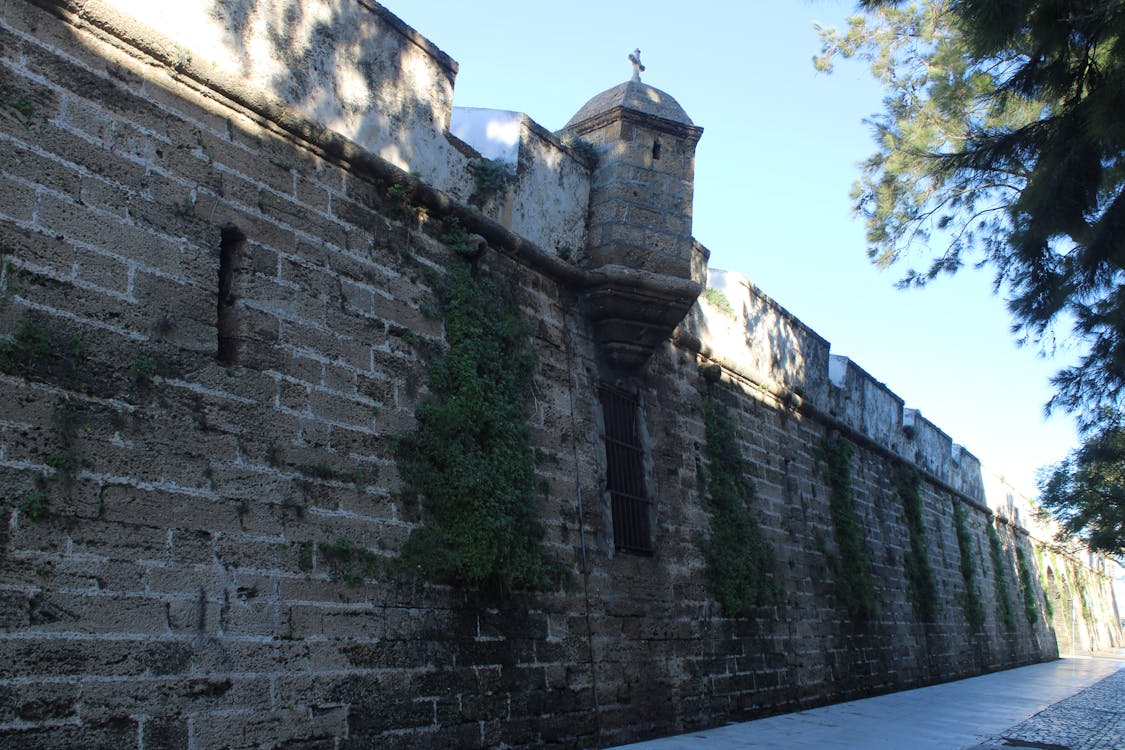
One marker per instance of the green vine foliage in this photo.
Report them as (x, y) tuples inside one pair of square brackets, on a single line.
[(490, 178), (1044, 583), (740, 562), (347, 561), (471, 460), (718, 299), (1083, 597), (36, 349), (855, 591), (919, 574), (1030, 607), (974, 609), (1003, 603)]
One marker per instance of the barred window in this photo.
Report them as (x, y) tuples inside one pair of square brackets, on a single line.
[(632, 526)]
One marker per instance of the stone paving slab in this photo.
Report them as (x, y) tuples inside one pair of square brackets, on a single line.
[(1086, 693), (1093, 719)]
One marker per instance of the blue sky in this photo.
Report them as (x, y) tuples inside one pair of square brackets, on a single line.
[(774, 168)]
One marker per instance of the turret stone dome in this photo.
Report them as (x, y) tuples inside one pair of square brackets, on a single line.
[(636, 96)]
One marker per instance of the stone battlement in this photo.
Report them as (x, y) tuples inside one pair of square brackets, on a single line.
[(404, 113)]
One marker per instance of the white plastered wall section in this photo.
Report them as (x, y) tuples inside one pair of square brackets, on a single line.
[(550, 190), (359, 71)]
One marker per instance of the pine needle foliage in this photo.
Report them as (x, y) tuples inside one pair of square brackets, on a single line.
[(1001, 143), (1086, 491)]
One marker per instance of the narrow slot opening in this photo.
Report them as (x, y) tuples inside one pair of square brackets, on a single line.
[(232, 245), (655, 150)]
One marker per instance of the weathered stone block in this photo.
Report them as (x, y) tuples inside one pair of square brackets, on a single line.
[(110, 735), (25, 166), (35, 247)]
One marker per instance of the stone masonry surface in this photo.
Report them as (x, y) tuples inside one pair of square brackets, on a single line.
[(216, 325)]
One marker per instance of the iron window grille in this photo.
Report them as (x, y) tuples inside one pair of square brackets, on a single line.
[(625, 480)]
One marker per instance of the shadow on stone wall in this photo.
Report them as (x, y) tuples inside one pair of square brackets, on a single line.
[(355, 69)]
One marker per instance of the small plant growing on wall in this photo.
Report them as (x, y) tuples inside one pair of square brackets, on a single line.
[(1083, 596), (64, 462), (740, 562), (718, 299), (583, 149), (347, 561), (460, 240), (36, 350), (470, 461), (855, 592), (24, 105), (1041, 565), (490, 179), (146, 368)]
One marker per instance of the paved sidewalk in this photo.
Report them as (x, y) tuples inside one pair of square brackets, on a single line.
[(1091, 720), (1075, 703)]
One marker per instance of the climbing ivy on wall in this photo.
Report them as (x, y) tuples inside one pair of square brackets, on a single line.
[(855, 591), (1003, 603), (919, 574), (974, 609), (1030, 608), (1041, 566), (470, 460), (1083, 596), (740, 562)]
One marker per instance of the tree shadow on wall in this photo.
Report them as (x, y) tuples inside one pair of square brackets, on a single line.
[(770, 327), (349, 67), (762, 338)]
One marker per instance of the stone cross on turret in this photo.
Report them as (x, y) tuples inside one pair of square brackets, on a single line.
[(635, 58)]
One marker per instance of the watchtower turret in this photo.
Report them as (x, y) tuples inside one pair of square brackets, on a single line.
[(640, 243)]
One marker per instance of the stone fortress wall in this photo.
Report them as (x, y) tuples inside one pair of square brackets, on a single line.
[(220, 223)]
